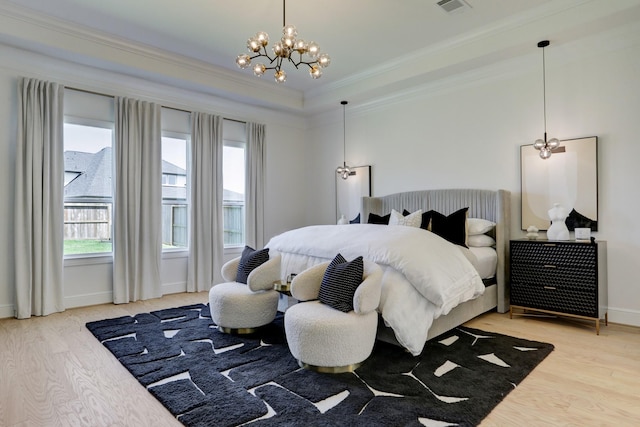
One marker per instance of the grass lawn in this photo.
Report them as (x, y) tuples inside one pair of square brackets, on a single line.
[(72, 247)]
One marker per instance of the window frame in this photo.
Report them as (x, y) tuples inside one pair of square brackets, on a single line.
[(234, 143), (92, 257), (187, 138)]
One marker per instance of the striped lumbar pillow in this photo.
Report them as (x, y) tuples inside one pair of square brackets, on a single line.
[(340, 281), (249, 260)]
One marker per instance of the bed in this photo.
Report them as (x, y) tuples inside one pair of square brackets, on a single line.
[(411, 311)]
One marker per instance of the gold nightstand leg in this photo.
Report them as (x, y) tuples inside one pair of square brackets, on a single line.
[(597, 326)]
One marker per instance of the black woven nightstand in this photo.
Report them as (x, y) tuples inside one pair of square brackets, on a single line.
[(565, 278)]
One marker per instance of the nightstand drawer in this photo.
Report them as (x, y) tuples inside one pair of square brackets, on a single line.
[(574, 277), (583, 255), (560, 299)]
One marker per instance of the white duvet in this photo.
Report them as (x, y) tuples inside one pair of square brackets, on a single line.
[(425, 276)]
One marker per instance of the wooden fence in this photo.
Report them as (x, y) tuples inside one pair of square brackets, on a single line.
[(87, 221), (92, 221)]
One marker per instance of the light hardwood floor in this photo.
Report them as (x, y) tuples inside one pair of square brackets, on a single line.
[(53, 372)]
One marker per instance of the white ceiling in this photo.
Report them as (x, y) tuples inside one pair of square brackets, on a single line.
[(372, 43)]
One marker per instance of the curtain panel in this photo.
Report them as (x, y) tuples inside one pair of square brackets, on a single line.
[(137, 249), (206, 228), (39, 206), (254, 191)]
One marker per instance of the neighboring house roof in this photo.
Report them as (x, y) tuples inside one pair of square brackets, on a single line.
[(232, 196), (95, 173), (94, 179), (172, 169)]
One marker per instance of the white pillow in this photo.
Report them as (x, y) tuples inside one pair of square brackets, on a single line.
[(480, 240), (477, 226), (412, 220)]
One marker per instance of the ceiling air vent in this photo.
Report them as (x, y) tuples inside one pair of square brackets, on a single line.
[(452, 5)]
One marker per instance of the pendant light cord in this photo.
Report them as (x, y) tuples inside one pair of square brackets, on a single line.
[(344, 135), (544, 95), (284, 13)]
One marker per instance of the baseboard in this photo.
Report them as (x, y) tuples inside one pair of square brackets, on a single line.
[(624, 316), (6, 311), (174, 288), (107, 297), (88, 299)]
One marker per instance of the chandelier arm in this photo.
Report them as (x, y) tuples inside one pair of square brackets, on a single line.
[(307, 63), (261, 55), (295, 64)]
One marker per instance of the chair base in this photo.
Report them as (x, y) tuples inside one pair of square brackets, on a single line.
[(330, 369), (237, 331)]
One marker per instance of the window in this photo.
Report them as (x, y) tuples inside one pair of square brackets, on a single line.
[(88, 191), (175, 213), (169, 179), (233, 179)]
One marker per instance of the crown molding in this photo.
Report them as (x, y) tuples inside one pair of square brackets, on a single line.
[(98, 80), (588, 48), (564, 20), (560, 20), (26, 29)]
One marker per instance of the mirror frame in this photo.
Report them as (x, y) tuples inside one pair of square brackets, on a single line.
[(568, 177), (349, 192)]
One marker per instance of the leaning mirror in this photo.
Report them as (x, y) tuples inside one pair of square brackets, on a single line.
[(349, 192), (569, 177)]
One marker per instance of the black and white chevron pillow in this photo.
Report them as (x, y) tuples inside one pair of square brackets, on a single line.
[(249, 260), (340, 281)]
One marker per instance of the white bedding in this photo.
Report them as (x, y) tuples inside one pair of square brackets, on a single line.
[(486, 261), (424, 275)]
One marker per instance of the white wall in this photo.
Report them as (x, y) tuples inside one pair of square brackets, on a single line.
[(467, 131), (90, 282)]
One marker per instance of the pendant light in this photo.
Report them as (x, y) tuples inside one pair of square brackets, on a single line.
[(344, 171), (545, 146)]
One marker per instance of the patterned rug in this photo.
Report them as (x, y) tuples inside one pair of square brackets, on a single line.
[(207, 378)]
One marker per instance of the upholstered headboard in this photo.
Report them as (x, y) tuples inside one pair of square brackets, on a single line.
[(492, 205)]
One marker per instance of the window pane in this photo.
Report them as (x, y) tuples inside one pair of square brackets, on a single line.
[(233, 197), (174, 193), (87, 189)]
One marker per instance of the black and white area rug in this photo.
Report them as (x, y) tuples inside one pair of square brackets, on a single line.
[(207, 378)]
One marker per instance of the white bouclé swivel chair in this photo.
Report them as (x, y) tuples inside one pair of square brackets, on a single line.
[(242, 308), (326, 339)]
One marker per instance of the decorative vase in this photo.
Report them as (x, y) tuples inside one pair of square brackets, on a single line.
[(343, 220), (532, 232), (558, 229)]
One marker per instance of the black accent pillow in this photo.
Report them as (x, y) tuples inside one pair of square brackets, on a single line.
[(377, 219), (452, 228), (340, 281), (426, 218), (355, 220), (249, 260)]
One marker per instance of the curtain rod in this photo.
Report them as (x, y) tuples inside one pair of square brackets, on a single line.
[(92, 92)]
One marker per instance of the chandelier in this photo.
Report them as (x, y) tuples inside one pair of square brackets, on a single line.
[(344, 171), (545, 146), (287, 48)]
